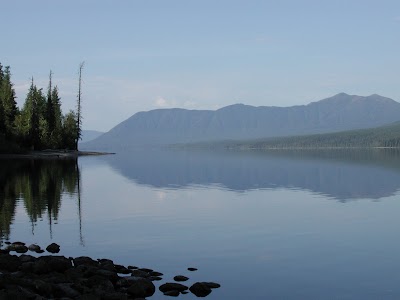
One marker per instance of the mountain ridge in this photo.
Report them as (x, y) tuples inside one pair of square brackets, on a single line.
[(240, 121)]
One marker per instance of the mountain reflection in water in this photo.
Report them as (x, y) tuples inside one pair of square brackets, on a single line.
[(340, 174)]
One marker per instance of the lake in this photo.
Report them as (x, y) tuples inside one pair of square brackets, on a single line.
[(265, 225)]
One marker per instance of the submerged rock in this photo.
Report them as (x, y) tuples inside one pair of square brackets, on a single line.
[(200, 289), (181, 278), (172, 286), (141, 288), (53, 248)]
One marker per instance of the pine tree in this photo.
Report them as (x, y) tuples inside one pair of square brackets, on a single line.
[(2, 120), (70, 130), (50, 117), (57, 131), (34, 118), (7, 96)]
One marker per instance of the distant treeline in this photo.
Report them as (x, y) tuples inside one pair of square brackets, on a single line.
[(385, 136), (40, 123)]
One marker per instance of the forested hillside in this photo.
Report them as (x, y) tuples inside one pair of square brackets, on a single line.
[(385, 136)]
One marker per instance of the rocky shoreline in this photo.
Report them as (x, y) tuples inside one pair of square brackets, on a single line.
[(52, 276)]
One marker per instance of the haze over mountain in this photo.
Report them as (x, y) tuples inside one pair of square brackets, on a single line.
[(89, 135), (240, 122)]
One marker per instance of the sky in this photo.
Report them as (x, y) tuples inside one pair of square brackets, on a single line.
[(204, 54)]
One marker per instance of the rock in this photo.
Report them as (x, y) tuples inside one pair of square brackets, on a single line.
[(57, 263), (146, 270), (192, 269), (65, 290), (122, 269), (100, 285), (110, 275), (141, 288), (34, 248), (10, 263), (155, 273), (53, 248), (154, 278), (200, 289), (40, 266), (17, 247), (173, 293), (212, 285), (26, 258), (84, 260), (140, 273), (180, 278), (171, 286), (132, 268)]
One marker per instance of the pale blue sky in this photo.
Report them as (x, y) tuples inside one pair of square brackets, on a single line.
[(206, 54)]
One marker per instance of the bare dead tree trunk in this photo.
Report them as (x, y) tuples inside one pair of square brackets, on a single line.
[(79, 108)]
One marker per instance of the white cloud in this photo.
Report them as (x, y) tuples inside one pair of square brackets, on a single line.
[(161, 102)]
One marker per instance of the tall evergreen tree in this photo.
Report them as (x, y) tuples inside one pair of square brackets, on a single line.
[(34, 115), (58, 118), (7, 96), (70, 130), (2, 120), (50, 117)]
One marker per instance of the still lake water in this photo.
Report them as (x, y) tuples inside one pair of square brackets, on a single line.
[(265, 225)]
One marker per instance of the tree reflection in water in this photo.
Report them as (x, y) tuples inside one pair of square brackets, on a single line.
[(39, 184)]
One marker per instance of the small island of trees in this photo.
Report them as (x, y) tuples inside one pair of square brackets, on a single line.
[(40, 123)]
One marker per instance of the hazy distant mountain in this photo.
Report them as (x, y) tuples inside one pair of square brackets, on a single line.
[(89, 135), (238, 122)]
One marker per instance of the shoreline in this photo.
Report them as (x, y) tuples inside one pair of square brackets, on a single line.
[(53, 154), (51, 276)]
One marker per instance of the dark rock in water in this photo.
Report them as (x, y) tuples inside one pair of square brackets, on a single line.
[(34, 248), (146, 270), (132, 268), (155, 273), (173, 293), (200, 289), (17, 247), (171, 286), (18, 244), (53, 248), (154, 278), (141, 288), (192, 269), (212, 285), (180, 278), (122, 269), (140, 273), (58, 277), (21, 249), (84, 260)]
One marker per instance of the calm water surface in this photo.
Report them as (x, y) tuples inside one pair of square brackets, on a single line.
[(291, 225)]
